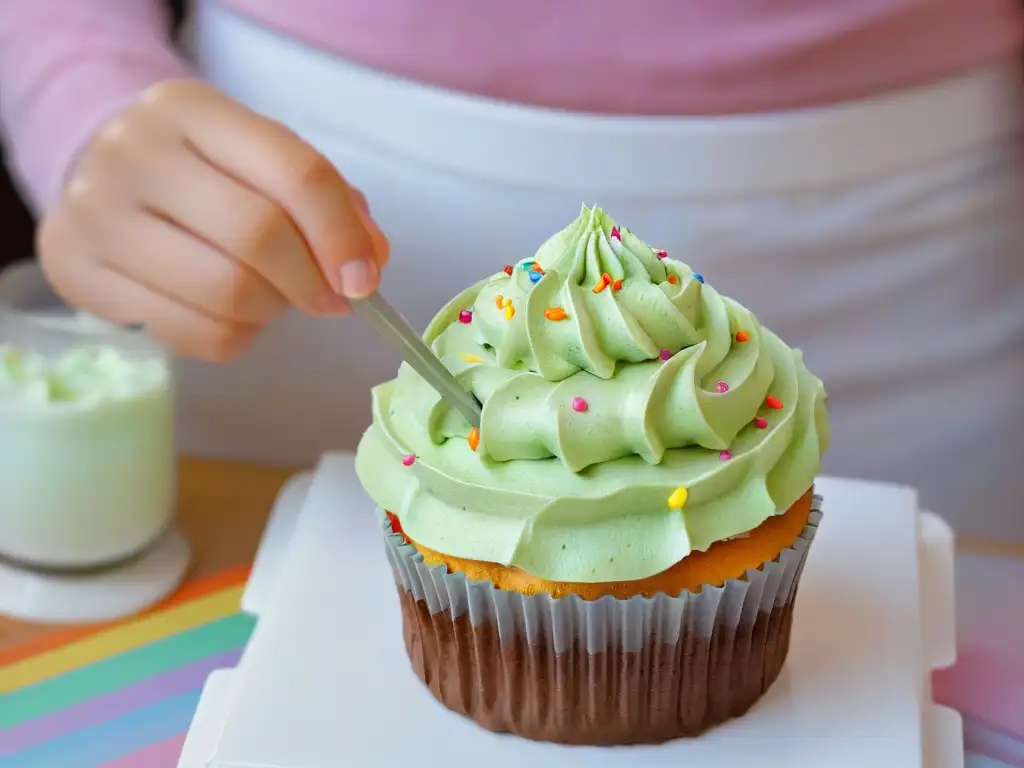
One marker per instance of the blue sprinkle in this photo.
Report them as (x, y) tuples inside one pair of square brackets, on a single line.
[(698, 277), (535, 277)]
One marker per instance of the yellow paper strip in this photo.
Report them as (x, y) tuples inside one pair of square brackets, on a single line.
[(120, 639)]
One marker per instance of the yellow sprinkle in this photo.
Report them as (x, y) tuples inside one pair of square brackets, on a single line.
[(506, 302), (510, 312), (471, 358), (678, 498)]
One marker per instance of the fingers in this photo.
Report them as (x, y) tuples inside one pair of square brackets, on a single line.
[(269, 158), (192, 272), (147, 166), (119, 299)]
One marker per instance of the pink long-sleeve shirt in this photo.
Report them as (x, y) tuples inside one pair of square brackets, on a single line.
[(68, 65)]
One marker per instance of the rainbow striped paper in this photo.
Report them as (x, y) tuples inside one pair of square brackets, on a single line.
[(122, 695)]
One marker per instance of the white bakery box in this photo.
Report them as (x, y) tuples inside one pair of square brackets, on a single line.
[(324, 681)]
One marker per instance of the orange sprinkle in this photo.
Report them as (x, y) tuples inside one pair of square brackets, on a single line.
[(537, 268), (604, 281), (742, 336), (617, 285), (497, 300), (673, 279), (773, 402), (474, 438), (555, 313)]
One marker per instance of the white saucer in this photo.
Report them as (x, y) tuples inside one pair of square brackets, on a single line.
[(101, 596)]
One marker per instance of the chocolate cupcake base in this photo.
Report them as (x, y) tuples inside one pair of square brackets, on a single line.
[(600, 672)]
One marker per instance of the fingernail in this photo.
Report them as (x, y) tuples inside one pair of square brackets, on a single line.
[(359, 278)]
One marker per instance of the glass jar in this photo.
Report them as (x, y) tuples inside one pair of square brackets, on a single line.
[(88, 472)]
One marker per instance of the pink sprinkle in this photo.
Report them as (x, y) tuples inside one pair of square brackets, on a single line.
[(666, 354), (721, 387), (579, 405), (725, 455), (661, 253), (465, 316), (761, 423), (615, 234), (408, 460)]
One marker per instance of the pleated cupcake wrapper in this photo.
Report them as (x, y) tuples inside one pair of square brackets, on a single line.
[(606, 671), (599, 625)]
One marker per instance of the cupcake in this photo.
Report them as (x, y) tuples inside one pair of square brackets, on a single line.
[(613, 556)]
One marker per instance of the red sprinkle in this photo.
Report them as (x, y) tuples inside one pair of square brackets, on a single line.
[(761, 423), (721, 387), (742, 336), (661, 253), (725, 455), (508, 270), (396, 526), (666, 354), (773, 402), (616, 235), (408, 460), (617, 285), (465, 316), (579, 405)]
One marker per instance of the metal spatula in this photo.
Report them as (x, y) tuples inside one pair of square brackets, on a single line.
[(392, 328)]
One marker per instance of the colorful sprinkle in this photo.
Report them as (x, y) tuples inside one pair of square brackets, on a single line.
[(535, 277), (617, 285), (535, 267), (742, 336), (471, 358), (666, 354), (498, 301), (725, 455), (661, 253), (673, 279), (761, 423), (474, 438), (698, 277), (465, 317), (579, 405), (616, 234), (773, 402), (408, 460), (510, 312), (508, 270), (602, 283), (721, 387), (678, 498), (555, 313)]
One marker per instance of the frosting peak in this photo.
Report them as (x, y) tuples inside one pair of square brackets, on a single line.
[(593, 296), (611, 377)]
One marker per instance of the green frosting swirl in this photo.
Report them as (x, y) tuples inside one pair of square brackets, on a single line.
[(591, 421)]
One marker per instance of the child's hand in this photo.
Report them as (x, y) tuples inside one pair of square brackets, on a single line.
[(199, 218)]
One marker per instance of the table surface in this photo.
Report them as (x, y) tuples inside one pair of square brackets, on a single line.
[(122, 695)]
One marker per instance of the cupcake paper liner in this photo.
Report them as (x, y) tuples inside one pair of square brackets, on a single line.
[(605, 671)]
